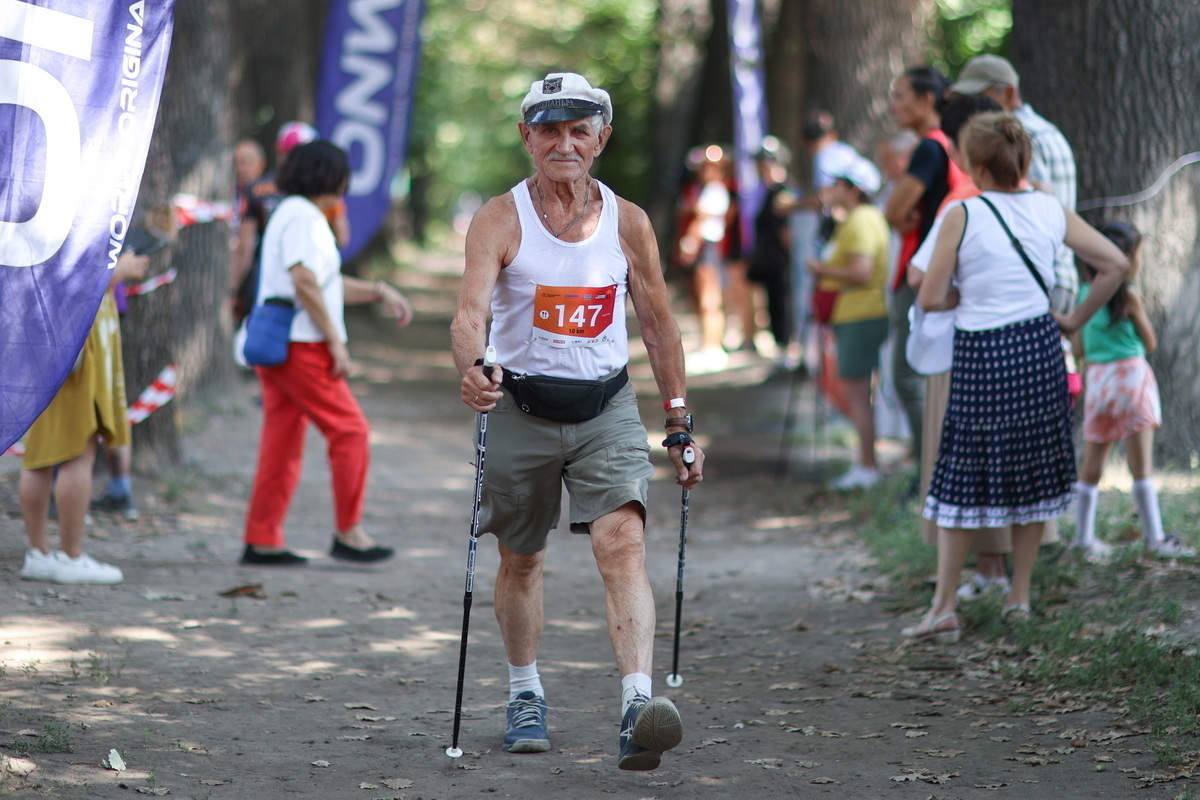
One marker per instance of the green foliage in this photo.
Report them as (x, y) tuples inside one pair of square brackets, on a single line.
[(963, 29), (478, 61)]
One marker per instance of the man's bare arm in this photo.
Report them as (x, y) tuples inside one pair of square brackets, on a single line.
[(492, 240)]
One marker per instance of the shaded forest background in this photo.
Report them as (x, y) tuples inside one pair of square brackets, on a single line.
[(1118, 76)]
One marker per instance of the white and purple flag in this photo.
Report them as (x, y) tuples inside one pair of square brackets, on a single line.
[(80, 82), (364, 101), (749, 109)]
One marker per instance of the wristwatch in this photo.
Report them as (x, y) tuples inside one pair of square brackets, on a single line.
[(679, 422)]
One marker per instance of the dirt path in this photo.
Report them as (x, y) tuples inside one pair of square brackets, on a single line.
[(336, 682)]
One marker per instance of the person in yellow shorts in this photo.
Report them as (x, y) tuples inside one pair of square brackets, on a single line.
[(91, 402)]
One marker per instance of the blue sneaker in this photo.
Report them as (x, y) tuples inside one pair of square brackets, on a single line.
[(650, 727), (526, 732)]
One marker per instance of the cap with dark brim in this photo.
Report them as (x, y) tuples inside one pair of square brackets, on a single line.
[(561, 110)]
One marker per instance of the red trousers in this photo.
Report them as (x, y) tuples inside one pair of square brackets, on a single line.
[(297, 391)]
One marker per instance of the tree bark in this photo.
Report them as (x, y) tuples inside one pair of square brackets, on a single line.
[(1120, 78), (183, 323), (274, 61), (854, 49), (684, 27)]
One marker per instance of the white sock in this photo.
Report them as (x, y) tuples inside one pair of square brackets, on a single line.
[(524, 679), (633, 684), (1147, 504), (1086, 496)]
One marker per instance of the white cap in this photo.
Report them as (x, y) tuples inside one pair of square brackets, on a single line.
[(562, 96), (861, 173)]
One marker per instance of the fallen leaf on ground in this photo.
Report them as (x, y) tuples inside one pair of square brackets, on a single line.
[(915, 734), (768, 763), (314, 698), (254, 590), (787, 687), (362, 738), (397, 783), (365, 706), (160, 791), (823, 780), (114, 762), (321, 763), (942, 753)]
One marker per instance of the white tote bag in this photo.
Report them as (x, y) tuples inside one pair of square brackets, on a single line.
[(930, 346)]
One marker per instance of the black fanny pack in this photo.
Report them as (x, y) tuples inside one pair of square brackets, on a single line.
[(563, 399)]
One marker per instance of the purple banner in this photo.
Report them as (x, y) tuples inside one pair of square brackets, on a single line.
[(79, 88), (364, 102), (749, 109)]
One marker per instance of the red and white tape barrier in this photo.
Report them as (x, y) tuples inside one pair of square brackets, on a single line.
[(191, 210), (157, 282)]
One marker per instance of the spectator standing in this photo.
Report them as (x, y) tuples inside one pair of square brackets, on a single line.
[(770, 264), (63, 441), (915, 99), (1053, 167), (1006, 456), (1121, 404), (858, 268), (300, 260), (707, 244)]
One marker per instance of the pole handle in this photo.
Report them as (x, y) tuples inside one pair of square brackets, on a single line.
[(489, 356), (689, 455)]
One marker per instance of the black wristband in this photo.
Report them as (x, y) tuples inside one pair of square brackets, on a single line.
[(677, 438)]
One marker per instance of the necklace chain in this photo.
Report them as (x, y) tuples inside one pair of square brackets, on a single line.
[(587, 200)]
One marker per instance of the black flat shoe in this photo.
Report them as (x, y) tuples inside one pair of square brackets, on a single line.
[(368, 556), (285, 558)]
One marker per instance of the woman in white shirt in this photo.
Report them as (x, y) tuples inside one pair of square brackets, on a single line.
[(300, 263), (1007, 456)]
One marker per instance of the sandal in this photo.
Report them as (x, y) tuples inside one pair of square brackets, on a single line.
[(931, 627), (1018, 612)]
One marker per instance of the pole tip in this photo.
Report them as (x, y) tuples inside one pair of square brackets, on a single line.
[(674, 680), (453, 752)]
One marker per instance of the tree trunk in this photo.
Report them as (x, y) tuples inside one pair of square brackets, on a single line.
[(854, 50), (1120, 78), (275, 58), (684, 27), (183, 322)]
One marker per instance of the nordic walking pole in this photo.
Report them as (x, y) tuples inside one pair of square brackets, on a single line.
[(489, 361), (675, 680)]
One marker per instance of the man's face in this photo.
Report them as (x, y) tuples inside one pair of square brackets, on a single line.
[(248, 164), (564, 151), (905, 106)]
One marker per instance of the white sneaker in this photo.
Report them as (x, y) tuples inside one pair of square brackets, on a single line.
[(1172, 547), (978, 585), (84, 569), (1096, 551), (859, 477), (38, 566)]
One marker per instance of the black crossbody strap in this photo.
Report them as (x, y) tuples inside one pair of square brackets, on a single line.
[(1016, 244)]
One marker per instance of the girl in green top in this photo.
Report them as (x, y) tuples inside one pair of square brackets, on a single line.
[(1121, 404)]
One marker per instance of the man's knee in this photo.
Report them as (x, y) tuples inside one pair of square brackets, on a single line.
[(619, 536), (521, 567)]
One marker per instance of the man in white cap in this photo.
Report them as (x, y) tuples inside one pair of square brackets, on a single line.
[(1052, 168), (553, 260)]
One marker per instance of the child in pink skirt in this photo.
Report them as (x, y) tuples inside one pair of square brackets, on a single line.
[(1121, 404)]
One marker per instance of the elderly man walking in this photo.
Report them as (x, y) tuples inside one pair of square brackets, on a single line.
[(554, 260)]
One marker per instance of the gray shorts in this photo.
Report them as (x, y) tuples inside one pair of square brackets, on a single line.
[(604, 463)]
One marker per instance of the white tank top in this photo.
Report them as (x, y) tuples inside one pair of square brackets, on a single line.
[(559, 308)]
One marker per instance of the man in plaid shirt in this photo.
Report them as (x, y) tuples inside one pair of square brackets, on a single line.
[(1052, 169)]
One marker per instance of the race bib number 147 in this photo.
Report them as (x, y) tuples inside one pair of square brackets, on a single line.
[(573, 316)]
